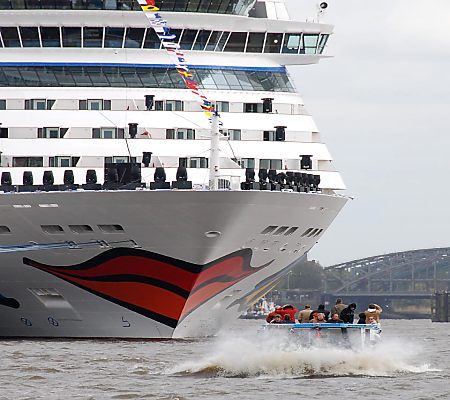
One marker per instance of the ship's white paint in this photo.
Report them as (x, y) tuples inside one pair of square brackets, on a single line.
[(173, 223)]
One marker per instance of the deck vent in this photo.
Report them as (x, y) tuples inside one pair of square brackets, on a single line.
[(113, 228), (269, 230), (4, 229), (307, 232), (281, 230), (52, 229), (290, 231), (80, 229)]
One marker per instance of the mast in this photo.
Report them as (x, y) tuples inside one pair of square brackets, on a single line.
[(214, 159)]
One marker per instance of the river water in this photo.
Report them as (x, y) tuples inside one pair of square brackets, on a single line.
[(412, 362)]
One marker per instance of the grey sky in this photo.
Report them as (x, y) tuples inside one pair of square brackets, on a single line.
[(382, 106)]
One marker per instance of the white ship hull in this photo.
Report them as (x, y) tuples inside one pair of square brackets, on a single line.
[(147, 264)]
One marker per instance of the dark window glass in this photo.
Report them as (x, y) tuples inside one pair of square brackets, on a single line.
[(134, 37), (30, 36), (3, 133), (5, 5), (92, 37), (310, 43), (193, 5), (202, 39), (63, 4), (255, 42), (114, 37), (180, 5), (33, 4), (71, 37), (94, 4), (48, 4), (151, 40), (323, 42), (236, 42), (213, 6), (273, 43), (2, 104), (17, 4), (292, 43), (110, 4), (187, 40), (76, 76), (213, 39), (50, 37), (222, 41), (10, 37)]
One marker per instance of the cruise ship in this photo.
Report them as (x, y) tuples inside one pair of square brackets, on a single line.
[(125, 212)]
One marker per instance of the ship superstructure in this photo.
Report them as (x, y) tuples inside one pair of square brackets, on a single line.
[(92, 249)]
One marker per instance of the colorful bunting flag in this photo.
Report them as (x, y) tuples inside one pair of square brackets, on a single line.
[(176, 55)]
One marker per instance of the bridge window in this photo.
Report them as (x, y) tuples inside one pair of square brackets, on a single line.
[(71, 37), (30, 36), (310, 43), (92, 37), (255, 42), (236, 42), (50, 37), (10, 36), (323, 42), (114, 37), (202, 40), (213, 39), (291, 43), (134, 38), (273, 43)]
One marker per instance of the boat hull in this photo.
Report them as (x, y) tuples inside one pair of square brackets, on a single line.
[(147, 264)]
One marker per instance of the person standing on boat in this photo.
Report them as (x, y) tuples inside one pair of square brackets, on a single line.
[(303, 316), (338, 307), (321, 309), (374, 311), (348, 313)]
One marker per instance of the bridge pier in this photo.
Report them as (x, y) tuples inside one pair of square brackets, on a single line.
[(440, 308)]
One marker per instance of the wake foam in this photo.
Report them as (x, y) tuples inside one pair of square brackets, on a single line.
[(276, 356)]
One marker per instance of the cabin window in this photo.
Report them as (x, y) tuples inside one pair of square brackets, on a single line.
[(3, 133), (269, 136), (113, 228), (28, 161), (2, 104), (52, 229), (60, 161), (253, 107), (270, 164), (222, 41), (198, 162), (247, 163), (174, 105), (80, 229), (233, 134), (222, 106)]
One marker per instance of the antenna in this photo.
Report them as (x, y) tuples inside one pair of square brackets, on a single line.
[(321, 9)]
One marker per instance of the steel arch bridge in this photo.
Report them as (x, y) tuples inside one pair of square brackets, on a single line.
[(408, 274)]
